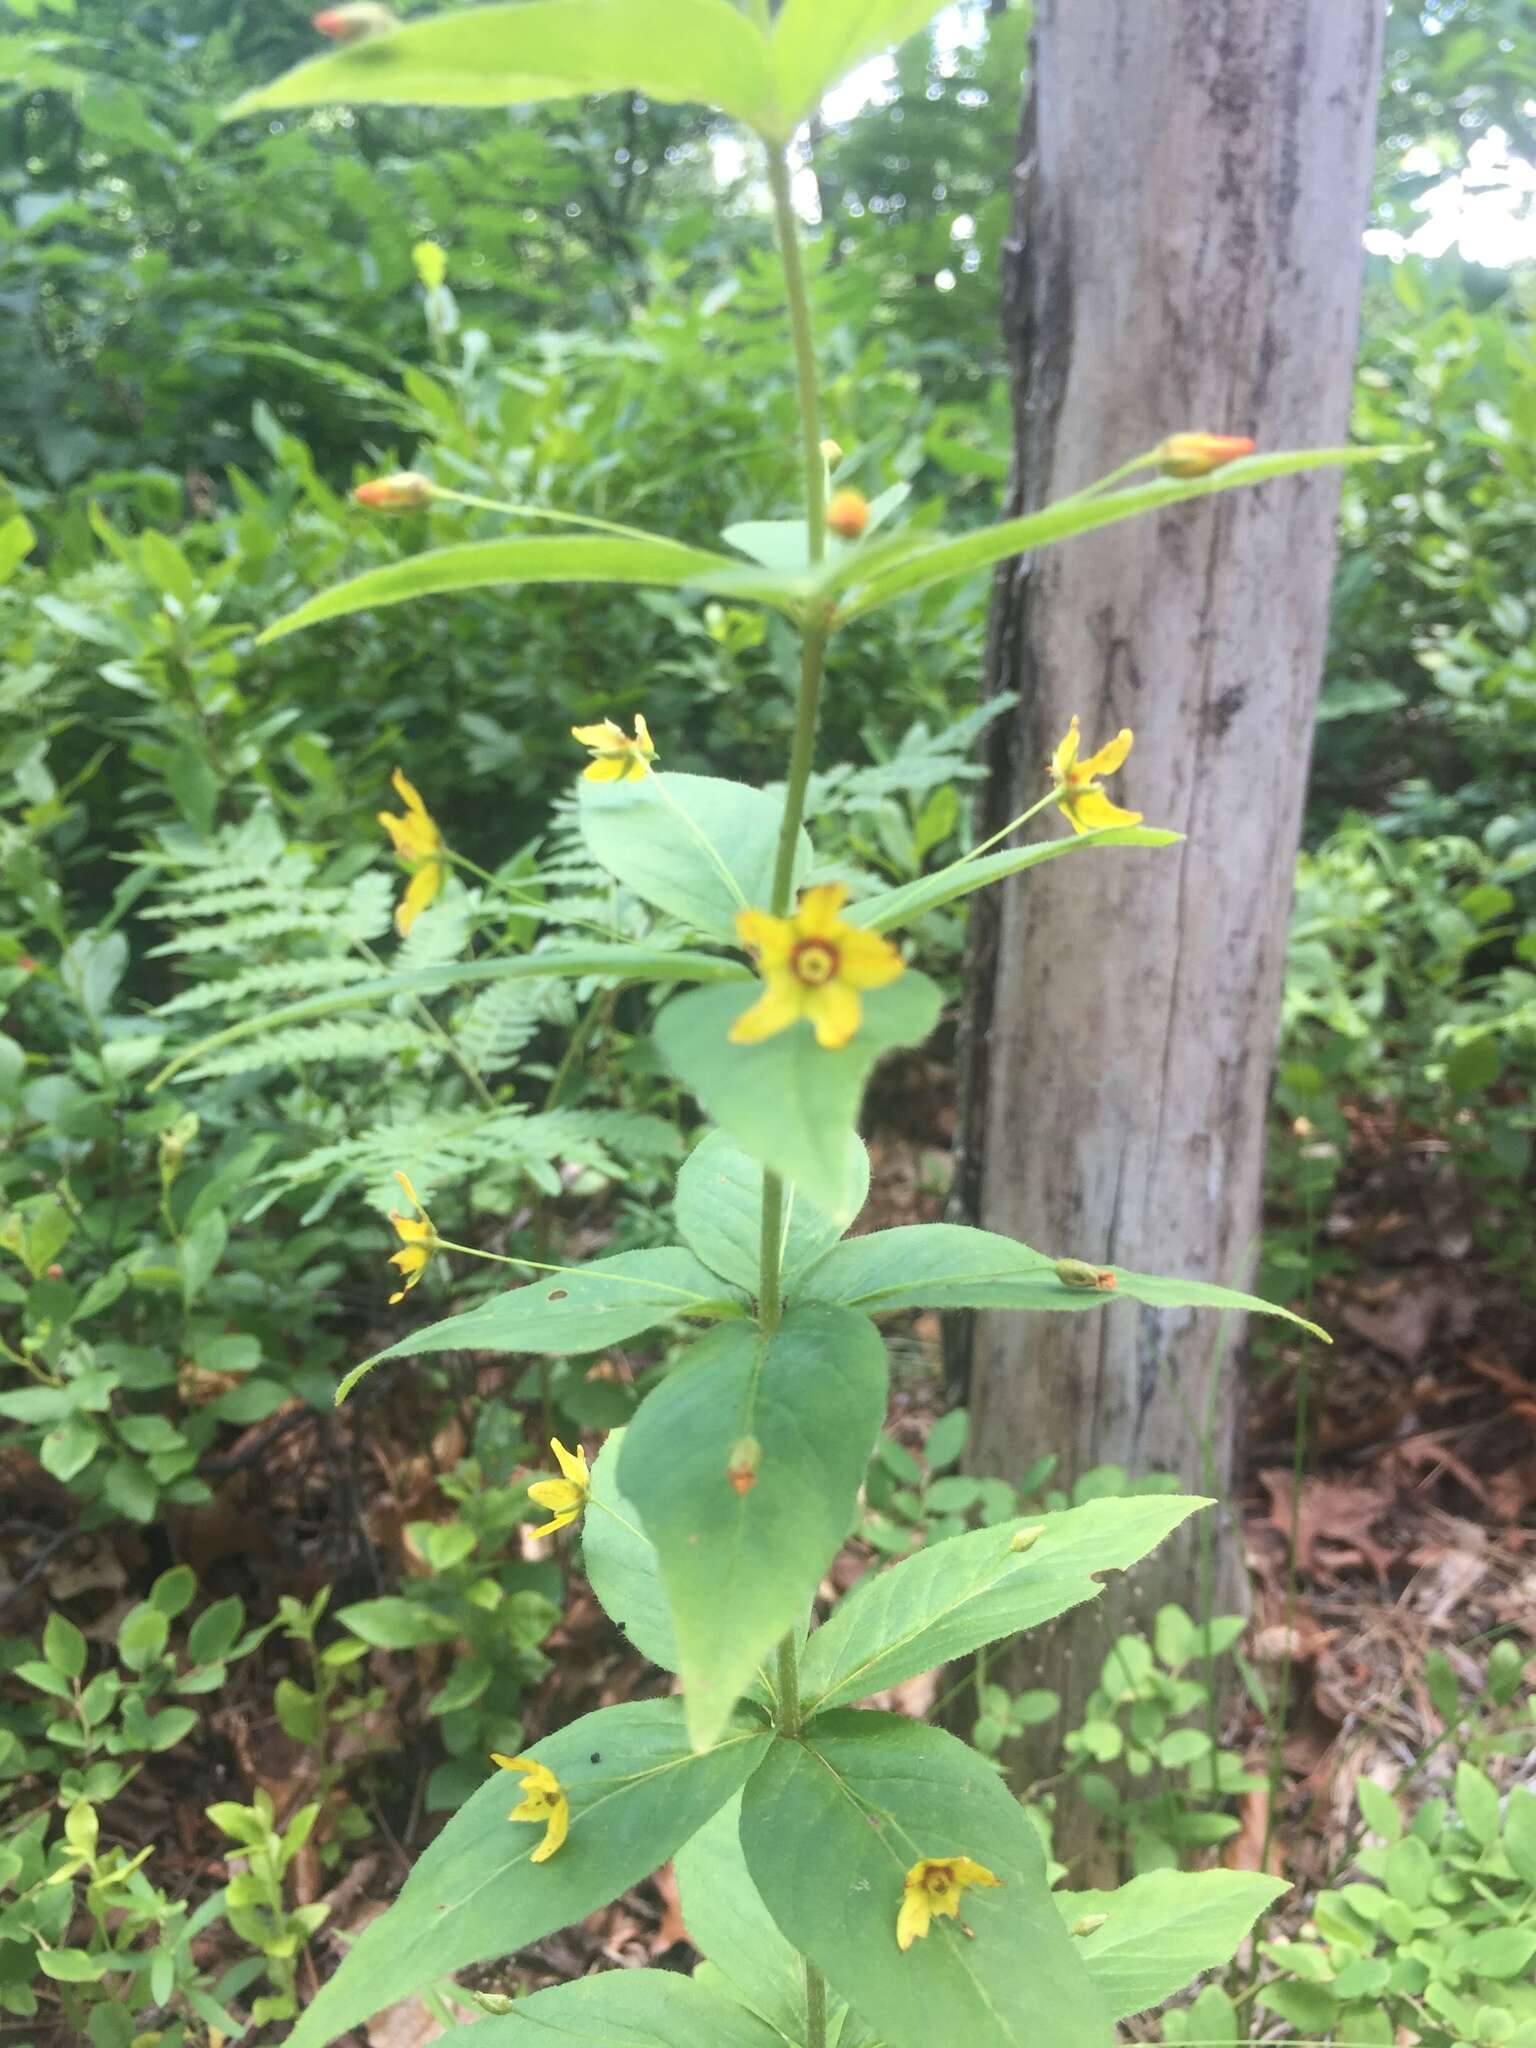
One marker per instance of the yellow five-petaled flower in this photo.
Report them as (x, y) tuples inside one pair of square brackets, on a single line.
[(615, 756), (1078, 794), (543, 1800), (418, 1241), (564, 1497), (421, 849), (931, 1890), (815, 966)]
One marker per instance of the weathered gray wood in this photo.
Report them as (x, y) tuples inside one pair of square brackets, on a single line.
[(1193, 185)]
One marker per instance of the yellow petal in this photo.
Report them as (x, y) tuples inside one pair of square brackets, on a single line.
[(410, 1193), (967, 1872), (643, 738), (836, 1012), (572, 1464), (1066, 752), (603, 734), (421, 890), (1110, 755), (772, 939), (408, 792), (912, 1922), (816, 917), (609, 769), (507, 1763), (555, 1833), (556, 1522), (557, 1494), (1090, 809), (865, 959), (783, 1003)]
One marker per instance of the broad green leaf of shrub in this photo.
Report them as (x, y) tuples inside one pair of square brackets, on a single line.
[(952, 1597), (831, 1824), (893, 907), (904, 565), (719, 1211), (788, 1101), (637, 1792), (696, 846), (724, 1913), (949, 1265), (580, 1310), (679, 51), (1164, 1928), (817, 42), (635, 2008), (621, 1563), (740, 1568), (536, 558)]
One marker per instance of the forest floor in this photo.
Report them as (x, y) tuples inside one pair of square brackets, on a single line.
[(1411, 1533)]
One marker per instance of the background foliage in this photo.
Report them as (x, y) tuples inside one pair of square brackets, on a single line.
[(210, 334)]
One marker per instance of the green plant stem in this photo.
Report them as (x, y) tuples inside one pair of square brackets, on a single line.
[(813, 650)]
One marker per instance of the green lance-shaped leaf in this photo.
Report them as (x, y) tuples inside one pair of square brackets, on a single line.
[(720, 1206), (788, 1101), (832, 1823), (623, 963), (538, 558), (724, 1913), (622, 2009), (905, 564), (696, 846), (954, 1596), (817, 42), (949, 1265), (745, 1464), (637, 1791), (1164, 1928), (572, 1312), (895, 907), (621, 1563), (679, 51)]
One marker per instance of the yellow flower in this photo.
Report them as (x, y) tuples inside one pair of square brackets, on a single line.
[(420, 847), (615, 756), (418, 1241), (815, 966), (1077, 790), (932, 1889), (543, 1800), (564, 1497)]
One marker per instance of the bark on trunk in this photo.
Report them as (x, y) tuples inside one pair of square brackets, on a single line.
[(1192, 188)]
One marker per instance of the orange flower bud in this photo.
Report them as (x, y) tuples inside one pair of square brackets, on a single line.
[(26, 963), (355, 18), (1199, 454), (848, 514), (741, 1469), (402, 492), (1078, 1273)]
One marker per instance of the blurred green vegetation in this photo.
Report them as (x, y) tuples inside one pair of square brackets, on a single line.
[(210, 334)]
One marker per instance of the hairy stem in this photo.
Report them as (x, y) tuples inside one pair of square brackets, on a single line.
[(812, 661)]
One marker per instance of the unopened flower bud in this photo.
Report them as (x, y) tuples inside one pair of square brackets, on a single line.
[(741, 1467), (847, 514), (1078, 1273), (831, 453), (493, 2001), (1088, 1923), (26, 963), (1026, 1539), (402, 492), (55, 1271), (431, 260), (355, 18), (1199, 454)]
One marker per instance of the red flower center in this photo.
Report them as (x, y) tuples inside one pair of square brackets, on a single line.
[(938, 1879), (814, 961)]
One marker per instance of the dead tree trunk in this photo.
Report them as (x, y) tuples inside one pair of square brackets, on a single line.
[(1192, 188)]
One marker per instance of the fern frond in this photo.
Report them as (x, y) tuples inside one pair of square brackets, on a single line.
[(373, 1039)]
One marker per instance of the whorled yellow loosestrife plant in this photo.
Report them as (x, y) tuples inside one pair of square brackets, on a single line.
[(824, 1851)]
